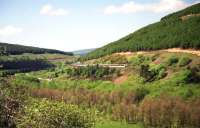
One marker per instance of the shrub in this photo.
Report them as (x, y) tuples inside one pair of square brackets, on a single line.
[(159, 70), (184, 61), (123, 111), (140, 94), (12, 100), (172, 60), (153, 72), (49, 114), (162, 73), (195, 74), (189, 93), (114, 59), (96, 72), (140, 59), (183, 76), (146, 73)]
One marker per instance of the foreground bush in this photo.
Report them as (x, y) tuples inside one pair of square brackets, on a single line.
[(49, 114), (12, 100)]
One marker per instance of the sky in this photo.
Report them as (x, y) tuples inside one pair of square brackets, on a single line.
[(70, 25)]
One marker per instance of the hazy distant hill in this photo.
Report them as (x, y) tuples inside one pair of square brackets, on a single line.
[(83, 52), (180, 29), (15, 49)]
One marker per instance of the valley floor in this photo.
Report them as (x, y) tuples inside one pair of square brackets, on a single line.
[(158, 88)]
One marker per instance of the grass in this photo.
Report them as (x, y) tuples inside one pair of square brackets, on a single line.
[(115, 124), (155, 88), (173, 84)]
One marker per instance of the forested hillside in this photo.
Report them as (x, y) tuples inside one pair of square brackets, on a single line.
[(11, 65), (180, 29), (15, 49)]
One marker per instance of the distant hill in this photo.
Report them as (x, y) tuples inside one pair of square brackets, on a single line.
[(15, 49), (180, 29), (83, 52)]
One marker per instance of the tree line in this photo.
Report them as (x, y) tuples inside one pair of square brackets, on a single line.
[(14, 65), (14, 49), (94, 72)]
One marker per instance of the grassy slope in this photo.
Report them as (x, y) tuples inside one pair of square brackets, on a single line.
[(170, 32), (172, 84)]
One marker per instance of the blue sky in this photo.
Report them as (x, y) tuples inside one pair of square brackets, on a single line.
[(78, 24)]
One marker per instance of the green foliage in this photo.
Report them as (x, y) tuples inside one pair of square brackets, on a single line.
[(181, 77), (194, 9), (161, 73), (140, 93), (184, 61), (32, 79), (49, 114), (153, 72), (189, 93), (139, 60), (113, 59), (195, 74), (157, 103), (145, 73), (172, 60), (161, 35), (91, 72), (3, 51), (159, 70), (13, 65), (12, 101)]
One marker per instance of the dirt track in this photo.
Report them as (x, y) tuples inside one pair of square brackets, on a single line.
[(178, 50), (191, 51), (120, 79)]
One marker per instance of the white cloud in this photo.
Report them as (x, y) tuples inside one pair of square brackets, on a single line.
[(158, 7), (10, 30), (51, 11)]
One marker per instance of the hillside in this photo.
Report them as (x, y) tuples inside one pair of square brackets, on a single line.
[(177, 30), (151, 85), (15, 49)]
